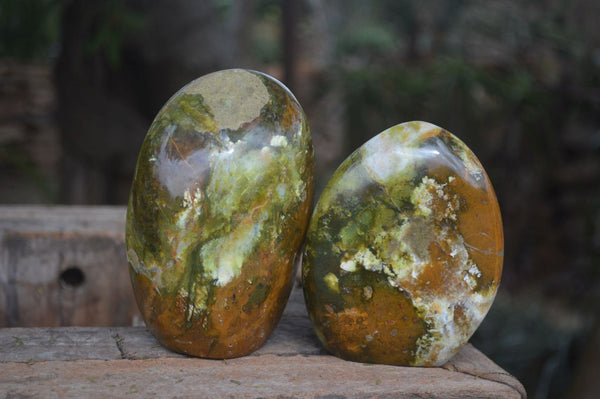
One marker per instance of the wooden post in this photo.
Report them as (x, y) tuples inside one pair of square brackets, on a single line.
[(64, 266)]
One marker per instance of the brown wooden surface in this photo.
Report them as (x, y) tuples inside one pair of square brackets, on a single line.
[(101, 362), (38, 243)]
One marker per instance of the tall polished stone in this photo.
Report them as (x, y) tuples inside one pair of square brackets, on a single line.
[(404, 250), (218, 211)]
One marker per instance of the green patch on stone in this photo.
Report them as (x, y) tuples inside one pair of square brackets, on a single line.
[(259, 294), (332, 282), (186, 111)]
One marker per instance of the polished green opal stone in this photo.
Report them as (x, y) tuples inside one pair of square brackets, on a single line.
[(404, 250), (218, 210)]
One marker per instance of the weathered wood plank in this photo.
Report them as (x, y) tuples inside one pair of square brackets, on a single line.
[(129, 362), (30, 345), (252, 377), (64, 266), (38, 243), (71, 218), (293, 336)]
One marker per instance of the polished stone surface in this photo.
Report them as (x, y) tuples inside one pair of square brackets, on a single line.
[(218, 211), (404, 250)]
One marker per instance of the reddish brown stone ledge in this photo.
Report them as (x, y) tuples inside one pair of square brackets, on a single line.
[(100, 362)]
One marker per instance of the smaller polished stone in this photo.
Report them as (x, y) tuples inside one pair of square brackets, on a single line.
[(218, 210), (404, 250)]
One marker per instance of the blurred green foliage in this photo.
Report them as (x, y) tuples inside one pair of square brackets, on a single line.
[(116, 23), (266, 32), (372, 40), (419, 63), (12, 156), (28, 28)]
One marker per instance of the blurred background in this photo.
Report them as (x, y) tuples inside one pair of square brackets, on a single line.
[(517, 80)]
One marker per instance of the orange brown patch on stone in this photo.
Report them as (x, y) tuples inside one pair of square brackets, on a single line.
[(356, 334)]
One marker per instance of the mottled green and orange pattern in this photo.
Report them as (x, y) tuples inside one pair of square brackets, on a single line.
[(404, 250), (218, 211)]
